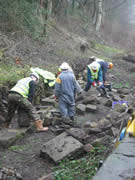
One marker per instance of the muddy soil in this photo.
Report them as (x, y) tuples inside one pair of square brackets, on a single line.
[(24, 156)]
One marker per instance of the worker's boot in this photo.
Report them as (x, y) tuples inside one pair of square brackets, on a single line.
[(72, 118), (39, 126), (99, 95), (108, 86)]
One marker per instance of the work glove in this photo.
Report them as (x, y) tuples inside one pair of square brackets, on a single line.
[(56, 98), (105, 83), (94, 84), (100, 83)]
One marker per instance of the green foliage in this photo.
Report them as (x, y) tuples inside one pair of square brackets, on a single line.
[(83, 168), (19, 135), (24, 15), (10, 74)]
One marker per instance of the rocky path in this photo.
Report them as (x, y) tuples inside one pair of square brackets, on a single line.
[(120, 164)]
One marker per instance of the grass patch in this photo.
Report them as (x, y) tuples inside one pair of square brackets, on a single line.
[(18, 148), (84, 168), (105, 58), (121, 85), (107, 49)]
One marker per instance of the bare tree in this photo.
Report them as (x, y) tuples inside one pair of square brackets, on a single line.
[(45, 12), (99, 14), (114, 5)]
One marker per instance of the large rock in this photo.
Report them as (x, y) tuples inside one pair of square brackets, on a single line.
[(113, 116), (129, 99), (108, 103), (117, 124), (116, 98), (101, 141), (94, 130), (91, 100), (104, 123), (129, 58), (115, 131), (77, 133), (57, 121), (55, 112), (89, 124), (124, 91), (80, 109), (88, 147), (98, 142), (48, 101), (91, 108), (61, 147)]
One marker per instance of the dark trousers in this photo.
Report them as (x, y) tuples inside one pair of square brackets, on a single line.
[(14, 101), (87, 87)]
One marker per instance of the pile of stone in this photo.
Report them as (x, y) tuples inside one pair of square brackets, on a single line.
[(9, 173)]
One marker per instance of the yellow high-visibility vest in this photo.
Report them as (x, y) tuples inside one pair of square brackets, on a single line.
[(94, 74), (22, 87)]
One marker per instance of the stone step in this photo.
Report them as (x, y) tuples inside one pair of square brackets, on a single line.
[(120, 164), (9, 136)]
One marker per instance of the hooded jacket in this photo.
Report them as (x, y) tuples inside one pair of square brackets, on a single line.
[(65, 87)]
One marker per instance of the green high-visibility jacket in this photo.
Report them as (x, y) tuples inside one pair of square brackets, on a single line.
[(49, 77)]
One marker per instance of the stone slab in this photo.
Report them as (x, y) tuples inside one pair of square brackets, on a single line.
[(61, 147), (9, 136), (48, 101), (115, 166), (120, 164)]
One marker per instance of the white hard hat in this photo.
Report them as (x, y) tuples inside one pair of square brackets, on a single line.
[(93, 57), (64, 66), (35, 75), (94, 65)]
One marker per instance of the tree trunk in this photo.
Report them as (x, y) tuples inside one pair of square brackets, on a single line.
[(45, 13), (49, 8), (99, 15), (94, 16), (73, 5)]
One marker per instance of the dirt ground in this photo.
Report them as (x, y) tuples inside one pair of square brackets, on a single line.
[(24, 156), (60, 46)]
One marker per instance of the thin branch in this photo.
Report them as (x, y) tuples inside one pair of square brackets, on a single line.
[(22, 153)]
